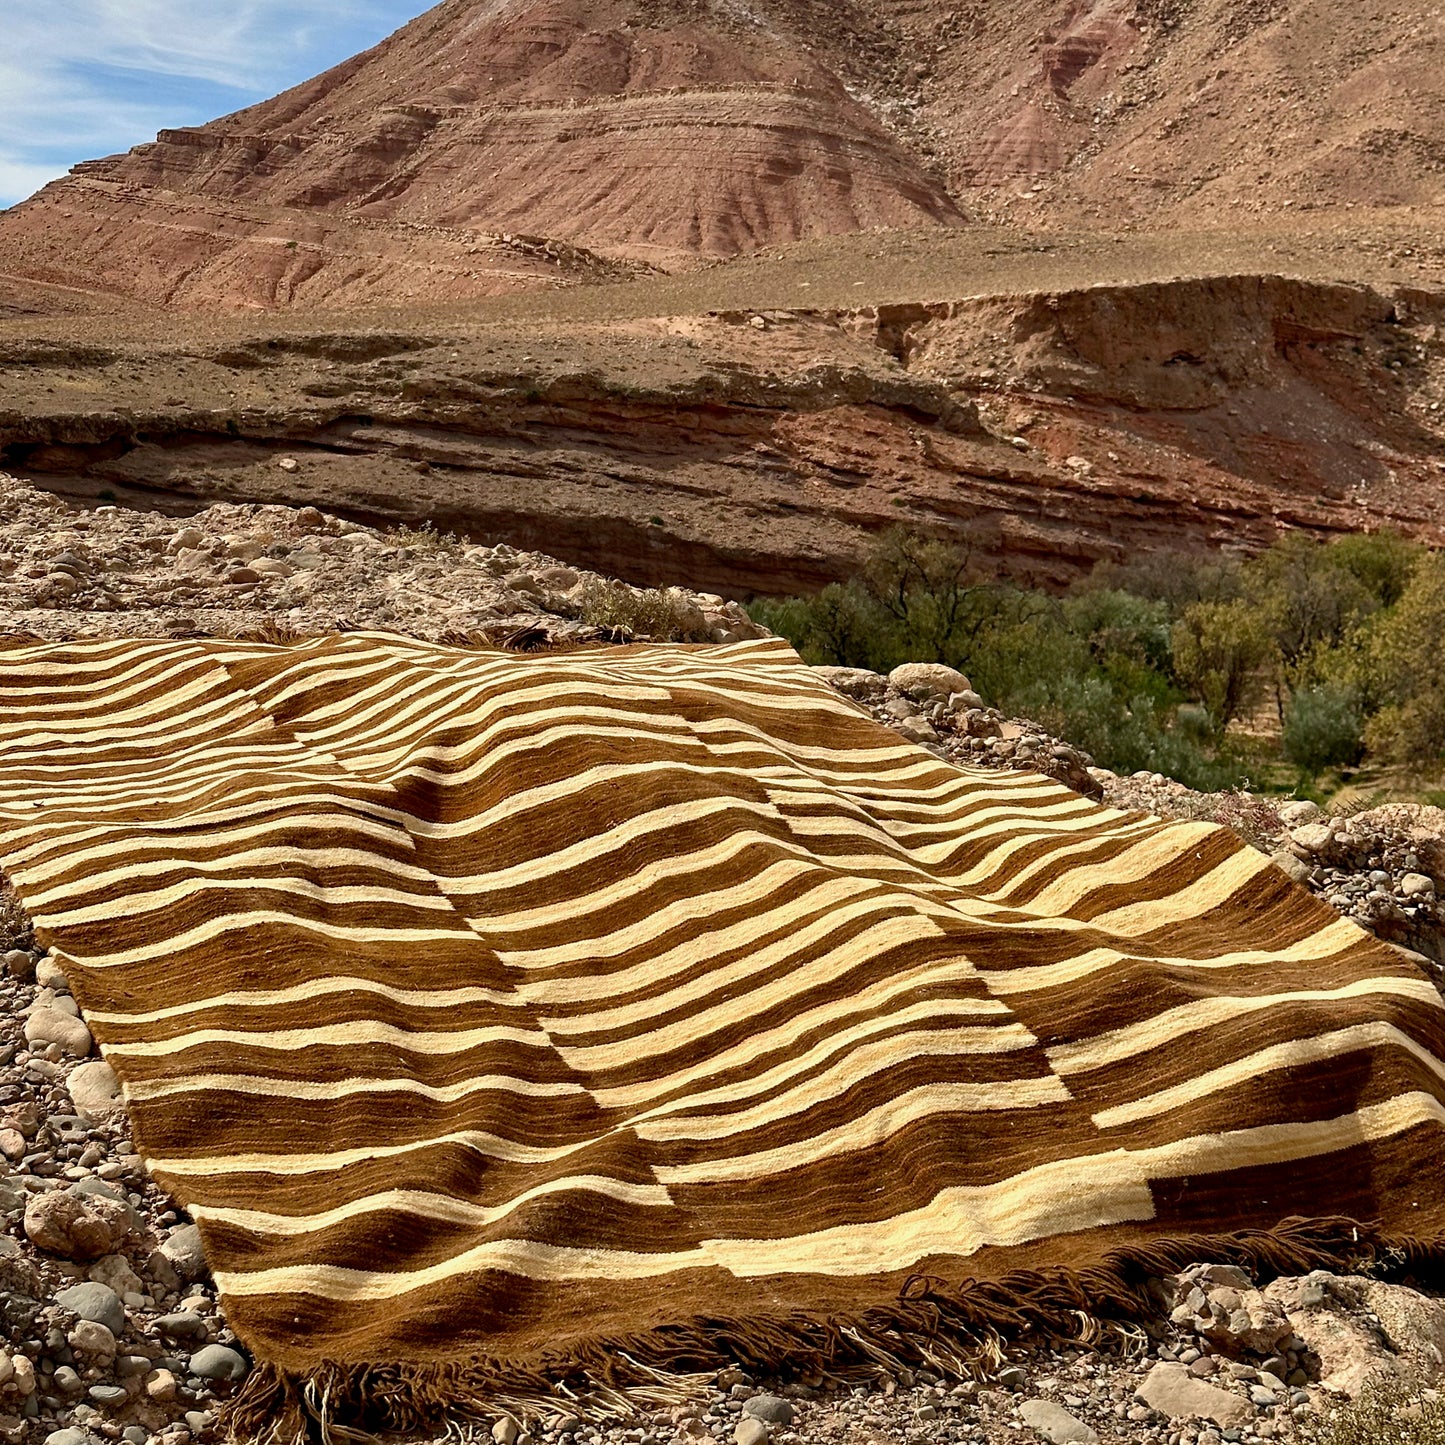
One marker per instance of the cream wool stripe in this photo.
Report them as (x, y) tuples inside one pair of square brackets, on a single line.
[(216, 928), (822, 892), (488, 1146), (876, 1126), (1134, 919), (141, 902), (280, 1087), (1148, 856), (221, 713), (704, 1021), (900, 923), (1337, 938), (523, 1257), (97, 776), (865, 1060), (156, 678), (1173, 1024), (184, 785), (837, 1013), (440, 1207), (499, 756), (1290, 1054), (238, 804), (234, 863), (344, 1033), (637, 829), (1106, 1188), (53, 860), (306, 992)]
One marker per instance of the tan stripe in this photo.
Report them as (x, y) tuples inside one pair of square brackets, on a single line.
[(345, 1034), (861, 1062), (1290, 1054), (267, 1087), (1172, 1024), (874, 1127), (426, 1205)]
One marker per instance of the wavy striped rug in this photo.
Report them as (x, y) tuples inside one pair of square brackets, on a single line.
[(515, 1024)]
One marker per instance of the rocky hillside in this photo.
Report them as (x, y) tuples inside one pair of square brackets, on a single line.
[(497, 145)]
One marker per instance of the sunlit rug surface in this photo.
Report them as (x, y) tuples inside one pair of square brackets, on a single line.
[(564, 1023)]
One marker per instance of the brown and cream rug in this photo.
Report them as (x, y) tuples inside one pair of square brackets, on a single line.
[(533, 1028)]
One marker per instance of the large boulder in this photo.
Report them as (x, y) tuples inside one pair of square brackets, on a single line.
[(1362, 1330), (928, 681), (79, 1227)]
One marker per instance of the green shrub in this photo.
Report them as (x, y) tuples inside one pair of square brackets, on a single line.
[(1219, 650), (650, 612), (1323, 728), (1390, 1410), (1404, 657)]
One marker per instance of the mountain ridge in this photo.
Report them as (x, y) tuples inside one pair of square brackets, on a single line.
[(671, 133)]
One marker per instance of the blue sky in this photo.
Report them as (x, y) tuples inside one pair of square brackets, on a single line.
[(86, 78)]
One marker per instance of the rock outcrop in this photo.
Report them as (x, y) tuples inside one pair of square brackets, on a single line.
[(762, 451)]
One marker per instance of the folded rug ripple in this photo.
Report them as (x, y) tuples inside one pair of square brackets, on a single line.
[(565, 1023)]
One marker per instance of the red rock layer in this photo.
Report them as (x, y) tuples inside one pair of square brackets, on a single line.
[(654, 139)]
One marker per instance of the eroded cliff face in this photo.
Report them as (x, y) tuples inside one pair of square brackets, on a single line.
[(760, 452)]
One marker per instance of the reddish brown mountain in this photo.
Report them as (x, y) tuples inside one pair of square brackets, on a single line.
[(496, 145), (636, 132)]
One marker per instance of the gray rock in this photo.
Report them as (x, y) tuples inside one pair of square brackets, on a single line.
[(1297, 814), (19, 965), (90, 1337), (92, 1301), (183, 1325), (53, 1026), (929, 680), (1296, 868), (1172, 1391), (96, 1090), (67, 1381), (770, 1408), (917, 730), (1055, 1423), (1011, 1377), (135, 1435), (749, 1431), (217, 1362), (108, 1395), (48, 974), (182, 1249), (855, 682), (1311, 839), (99, 1189)]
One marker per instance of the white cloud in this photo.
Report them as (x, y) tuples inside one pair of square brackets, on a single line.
[(97, 76)]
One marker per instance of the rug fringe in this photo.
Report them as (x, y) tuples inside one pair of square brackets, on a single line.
[(959, 1330)]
